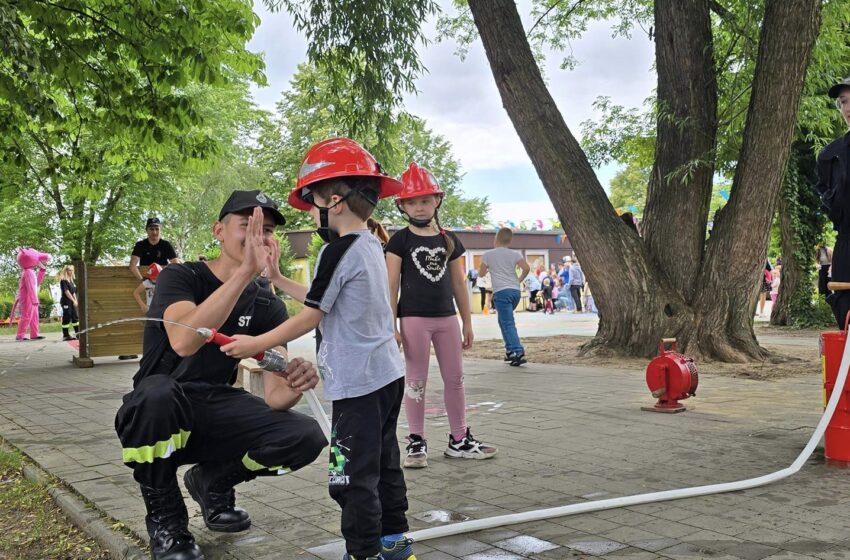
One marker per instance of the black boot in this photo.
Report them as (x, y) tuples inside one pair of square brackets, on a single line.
[(168, 525), (211, 485)]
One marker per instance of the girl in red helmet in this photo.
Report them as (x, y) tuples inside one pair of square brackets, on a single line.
[(424, 261)]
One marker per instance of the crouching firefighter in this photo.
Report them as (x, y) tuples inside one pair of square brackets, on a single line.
[(184, 409)]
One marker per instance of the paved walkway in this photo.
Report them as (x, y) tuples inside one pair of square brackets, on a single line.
[(566, 435)]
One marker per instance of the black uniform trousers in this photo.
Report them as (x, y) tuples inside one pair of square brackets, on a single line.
[(164, 424), (69, 317), (364, 475)]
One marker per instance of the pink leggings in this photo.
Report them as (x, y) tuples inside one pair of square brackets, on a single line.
[(417, 334)]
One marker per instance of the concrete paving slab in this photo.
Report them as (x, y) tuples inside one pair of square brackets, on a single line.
[(566, 434)]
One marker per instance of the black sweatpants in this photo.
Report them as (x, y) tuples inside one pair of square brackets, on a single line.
[(364, 473), (164, 424)]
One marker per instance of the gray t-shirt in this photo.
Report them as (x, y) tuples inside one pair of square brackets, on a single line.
[(358, 354), (501, 262)]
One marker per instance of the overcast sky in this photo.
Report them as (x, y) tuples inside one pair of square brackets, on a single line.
[(459, 100)]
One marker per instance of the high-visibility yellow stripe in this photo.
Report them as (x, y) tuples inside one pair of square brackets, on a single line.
[(254, 466), (160, 450)]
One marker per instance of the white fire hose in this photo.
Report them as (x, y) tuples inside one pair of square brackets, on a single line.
[(572, 509)]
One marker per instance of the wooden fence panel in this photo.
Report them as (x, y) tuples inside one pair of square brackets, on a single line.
[(106, 294)]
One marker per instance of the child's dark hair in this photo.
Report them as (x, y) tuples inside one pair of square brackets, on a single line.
[(358, 203)]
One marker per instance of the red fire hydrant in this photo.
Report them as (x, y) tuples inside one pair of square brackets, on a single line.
[(836, 441), (671, 377)]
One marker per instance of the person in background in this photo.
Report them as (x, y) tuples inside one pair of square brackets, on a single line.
[(485, 288), (824, 260), (576, 284), (147, 288), (152, 249), (764, 290), (68, 300), (503, 262)]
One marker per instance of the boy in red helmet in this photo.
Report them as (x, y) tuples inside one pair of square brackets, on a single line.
[(339, 184)]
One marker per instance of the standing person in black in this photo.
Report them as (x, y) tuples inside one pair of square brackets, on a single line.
[(151, 250), (68, 301), (833, 167), (148, 251), (183, 408)]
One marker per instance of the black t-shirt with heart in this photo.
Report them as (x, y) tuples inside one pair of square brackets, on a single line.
[(426, 282)]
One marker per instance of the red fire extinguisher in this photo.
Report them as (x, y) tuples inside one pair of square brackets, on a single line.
[(671, 377), (836, 441)]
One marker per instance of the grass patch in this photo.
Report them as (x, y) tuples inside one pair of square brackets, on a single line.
[(31, 525)]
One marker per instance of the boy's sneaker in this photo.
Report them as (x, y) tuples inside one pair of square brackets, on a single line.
[(396, 547), (469, 448), (509, 356), (417, 452), (347, 556), (519, 359)]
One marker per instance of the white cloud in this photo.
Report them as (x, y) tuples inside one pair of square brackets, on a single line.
[(522, 211)]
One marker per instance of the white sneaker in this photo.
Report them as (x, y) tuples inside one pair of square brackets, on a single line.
[(417, 452), (469, 448)]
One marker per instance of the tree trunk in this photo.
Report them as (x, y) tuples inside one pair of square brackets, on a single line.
[(679, 192), (738, 246), (638, 303)]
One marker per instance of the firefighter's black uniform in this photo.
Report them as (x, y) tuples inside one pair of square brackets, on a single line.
[(833, 167), (185, 410)]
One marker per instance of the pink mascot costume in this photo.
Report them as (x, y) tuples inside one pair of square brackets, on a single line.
[(29, 260)]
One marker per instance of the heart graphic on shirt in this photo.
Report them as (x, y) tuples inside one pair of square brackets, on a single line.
[(433, 262)]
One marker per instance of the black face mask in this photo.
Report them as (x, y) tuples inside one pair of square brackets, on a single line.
[(324, 230)]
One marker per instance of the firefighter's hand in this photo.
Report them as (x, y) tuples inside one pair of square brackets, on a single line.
[(243, 347), (300, 374), (255, 246)]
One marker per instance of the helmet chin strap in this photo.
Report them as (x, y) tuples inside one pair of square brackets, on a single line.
[(324, 230), (416, 222)]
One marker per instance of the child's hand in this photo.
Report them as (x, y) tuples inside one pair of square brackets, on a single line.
[(243, 347), (273, 258), (467, 336)]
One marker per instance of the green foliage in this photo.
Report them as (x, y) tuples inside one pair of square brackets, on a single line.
[(316, 244), (293, 306), (309, 112), (287, 257), (121, 65), (628, 188), (807, 309), (367, 53), (555, 24)]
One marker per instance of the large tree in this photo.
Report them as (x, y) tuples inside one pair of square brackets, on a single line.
[(672, 282)]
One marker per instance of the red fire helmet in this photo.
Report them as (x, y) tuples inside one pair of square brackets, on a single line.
[(418, 181), (339, 157), (153, 272)]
